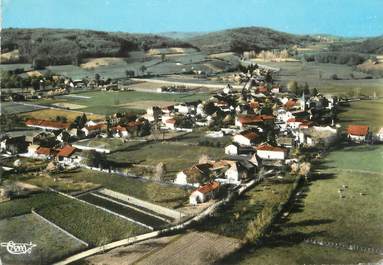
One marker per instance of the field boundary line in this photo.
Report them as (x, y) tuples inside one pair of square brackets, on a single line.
[(345, 246), (59, 228)]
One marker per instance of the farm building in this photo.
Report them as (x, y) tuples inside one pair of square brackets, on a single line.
[(236, 149), (13, 145), (47, 125), (93, 129), (357, 133), (66, 155), (195, 175), (204, 193), (247, 137), (271, 152), (379, 135), (252, 119)]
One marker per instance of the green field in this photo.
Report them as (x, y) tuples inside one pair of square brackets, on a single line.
[(175, 155), (166, 195), (86, 222), (233, 219), (89, 223), (364, 112), (51, 243), (102, 102), (320, 213), (319, 75)]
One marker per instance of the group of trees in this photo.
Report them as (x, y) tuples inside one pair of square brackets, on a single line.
[(299, 89), (44, 47), (348, 58)]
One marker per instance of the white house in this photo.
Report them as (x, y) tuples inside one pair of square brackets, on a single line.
[(170, 123), (92, 130), (245, 138), (357, 133), (204, 193), (232, 149), (271, 152), (183, 108), (195, 175), (379, 135)]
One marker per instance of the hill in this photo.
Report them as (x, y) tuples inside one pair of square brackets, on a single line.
[(247, 38), (62, 46)]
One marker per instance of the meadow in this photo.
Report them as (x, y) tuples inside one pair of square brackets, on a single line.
[(364, 112), (102, 102), (51, 243)]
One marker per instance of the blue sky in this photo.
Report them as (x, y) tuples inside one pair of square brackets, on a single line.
[(338, 17)]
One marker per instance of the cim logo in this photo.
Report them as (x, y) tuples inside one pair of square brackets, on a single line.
[(18, 248)]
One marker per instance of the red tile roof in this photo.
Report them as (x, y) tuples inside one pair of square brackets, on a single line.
[(290, 103), (297, 120), (254, 118), (209, 187), (249, 135), (43, 151), (66, 151), (266, 147), (171, 121), (359, 130), (48, 124), (95, 127)]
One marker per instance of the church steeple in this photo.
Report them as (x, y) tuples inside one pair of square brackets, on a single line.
[(303, 101)]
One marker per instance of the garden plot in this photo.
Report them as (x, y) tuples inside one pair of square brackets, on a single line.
[(51, 243), (123, 209)]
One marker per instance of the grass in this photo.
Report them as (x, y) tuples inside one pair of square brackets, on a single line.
[(233, 220), (176, 156), (102, 102), (51, 114), (321, 214), (51, 243), (89, 223), (165, 195), (86, 222), (14, 108), (364, 112)]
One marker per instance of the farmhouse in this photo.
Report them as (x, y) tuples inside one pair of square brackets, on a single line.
[(195, 175), (120, 131), (379, 135), (93, 129), (357, 133), (247, 137), (44, 152), (204, 193), (252, 119), (271, 152), (170, 123), (66, 155), (236, 149)]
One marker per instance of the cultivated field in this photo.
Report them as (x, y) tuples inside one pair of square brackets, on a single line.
[(102, 102), (51, 114), (365, 112), (15, 107), (162, 194), (51, 243)]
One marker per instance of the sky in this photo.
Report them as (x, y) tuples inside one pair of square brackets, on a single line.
[(351, 18)]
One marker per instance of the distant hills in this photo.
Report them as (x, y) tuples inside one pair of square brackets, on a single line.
[(66, 46), (248, 38)]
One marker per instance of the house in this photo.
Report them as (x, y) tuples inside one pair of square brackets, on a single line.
[(66, 155), (120, 131), (195, 175), (236, 149), (252, 119), (379, 135), (170, 123), (294, 123), (47, 125), (357, 133), (271, 152), (13, 145), (239, 170), (44, 152), (204, 193), (285, 141), (318, 135), (93, 130), (247, 137), (184, 108)]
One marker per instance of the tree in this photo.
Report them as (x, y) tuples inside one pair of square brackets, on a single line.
[(129, 73), (143, 68), (97, 77), (292, 86), (160, 171), (94, 159), (314, 91), (306, 89), (204, 159), (305, 169), (163, 57)]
